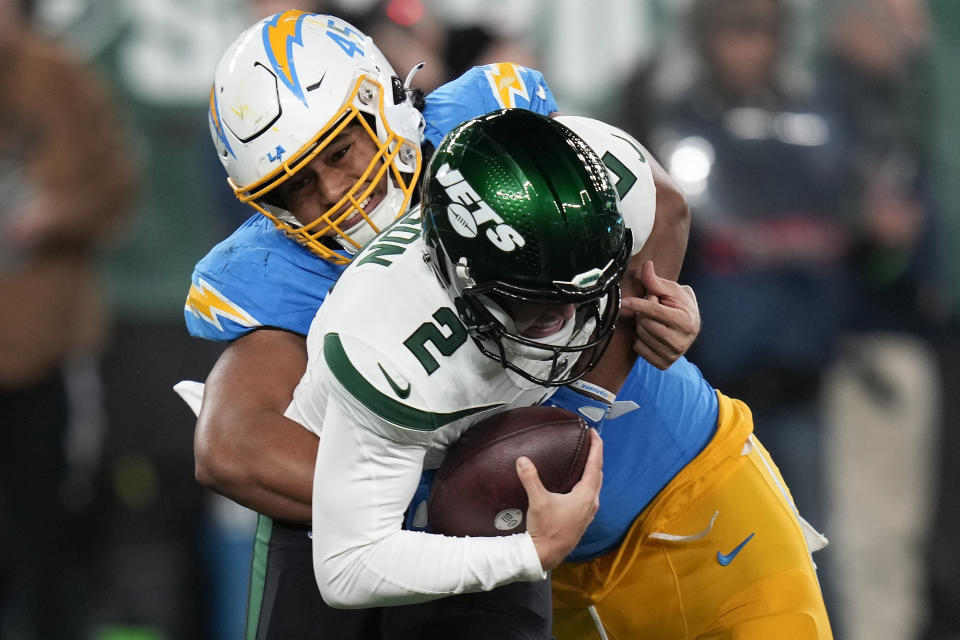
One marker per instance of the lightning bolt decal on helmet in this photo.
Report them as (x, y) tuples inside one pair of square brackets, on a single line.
[(516, 206), (282, 91)]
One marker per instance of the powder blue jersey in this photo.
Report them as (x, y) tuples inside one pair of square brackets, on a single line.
[(258, 277), (644, 449)]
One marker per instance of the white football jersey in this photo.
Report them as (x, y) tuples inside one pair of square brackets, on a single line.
[(389, 341), (393, 380)]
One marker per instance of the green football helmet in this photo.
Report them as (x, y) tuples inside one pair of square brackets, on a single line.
[(518, 209)]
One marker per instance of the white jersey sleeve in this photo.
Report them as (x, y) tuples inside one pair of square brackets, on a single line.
[(362, 557)]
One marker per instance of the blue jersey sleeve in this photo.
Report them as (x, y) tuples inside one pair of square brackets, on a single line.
[(482, 90), (256, 278)]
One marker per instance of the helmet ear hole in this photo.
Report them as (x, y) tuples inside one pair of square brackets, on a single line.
[(399, 93), (261, 104)]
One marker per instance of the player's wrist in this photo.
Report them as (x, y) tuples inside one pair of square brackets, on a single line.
[(550, 553)]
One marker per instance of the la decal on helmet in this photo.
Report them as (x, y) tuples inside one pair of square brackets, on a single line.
[(517, 207), (282, 91)]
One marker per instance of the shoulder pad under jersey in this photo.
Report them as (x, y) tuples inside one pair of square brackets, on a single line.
[(483, 89)]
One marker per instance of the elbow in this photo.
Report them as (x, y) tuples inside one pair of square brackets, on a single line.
[(214, 467), (205, 470), (678, 210), (333, 591), (337, 600), (673, 211), (344, 577)]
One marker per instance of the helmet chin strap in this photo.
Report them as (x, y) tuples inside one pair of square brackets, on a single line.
[(413, 71), (381, 215), (283, 215)]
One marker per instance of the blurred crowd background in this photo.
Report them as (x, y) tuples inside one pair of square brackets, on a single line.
[(816, 140)]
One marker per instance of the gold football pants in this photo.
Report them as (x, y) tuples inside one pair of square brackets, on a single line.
[(719, 553)]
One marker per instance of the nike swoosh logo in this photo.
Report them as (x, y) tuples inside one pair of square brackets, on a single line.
[(726, 558), (402, 392)]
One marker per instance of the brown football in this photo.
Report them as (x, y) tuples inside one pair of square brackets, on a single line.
[(476, 491)]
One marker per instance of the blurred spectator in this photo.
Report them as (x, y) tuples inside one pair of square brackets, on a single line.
[(943, 553), (762, 166), (65, 185), (588, 48), (153, 576), (449, 38), (883, 395), (408, 34)]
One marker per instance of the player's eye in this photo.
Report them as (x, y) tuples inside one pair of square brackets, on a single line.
[(339, 153), (296, 185)]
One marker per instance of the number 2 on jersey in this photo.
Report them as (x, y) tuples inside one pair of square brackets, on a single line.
[(430, 332)]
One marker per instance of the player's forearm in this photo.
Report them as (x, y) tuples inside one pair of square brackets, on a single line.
[(666, 248), (411, 567), (266, 466), (245, 448), (362, 558), (276, 504)]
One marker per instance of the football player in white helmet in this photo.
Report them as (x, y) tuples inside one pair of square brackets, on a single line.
[(317, 180), (274, 112)]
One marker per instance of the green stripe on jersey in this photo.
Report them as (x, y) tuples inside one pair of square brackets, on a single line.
[(381, 404), (258, 574)]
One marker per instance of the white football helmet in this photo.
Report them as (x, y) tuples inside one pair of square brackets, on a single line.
[(282, 91), (631, 174)]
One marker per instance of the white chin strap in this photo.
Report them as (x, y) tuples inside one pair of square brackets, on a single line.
[(283, 214), (382, 215)]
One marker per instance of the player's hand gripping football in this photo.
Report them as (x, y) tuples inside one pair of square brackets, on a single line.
[(556, 521), (666, 319)]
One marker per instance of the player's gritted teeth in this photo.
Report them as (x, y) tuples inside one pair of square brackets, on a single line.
[(535, 321), (366, 206)]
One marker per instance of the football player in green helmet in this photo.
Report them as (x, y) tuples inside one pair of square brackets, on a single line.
[(259, 291), (523, 227), (502, 287)]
